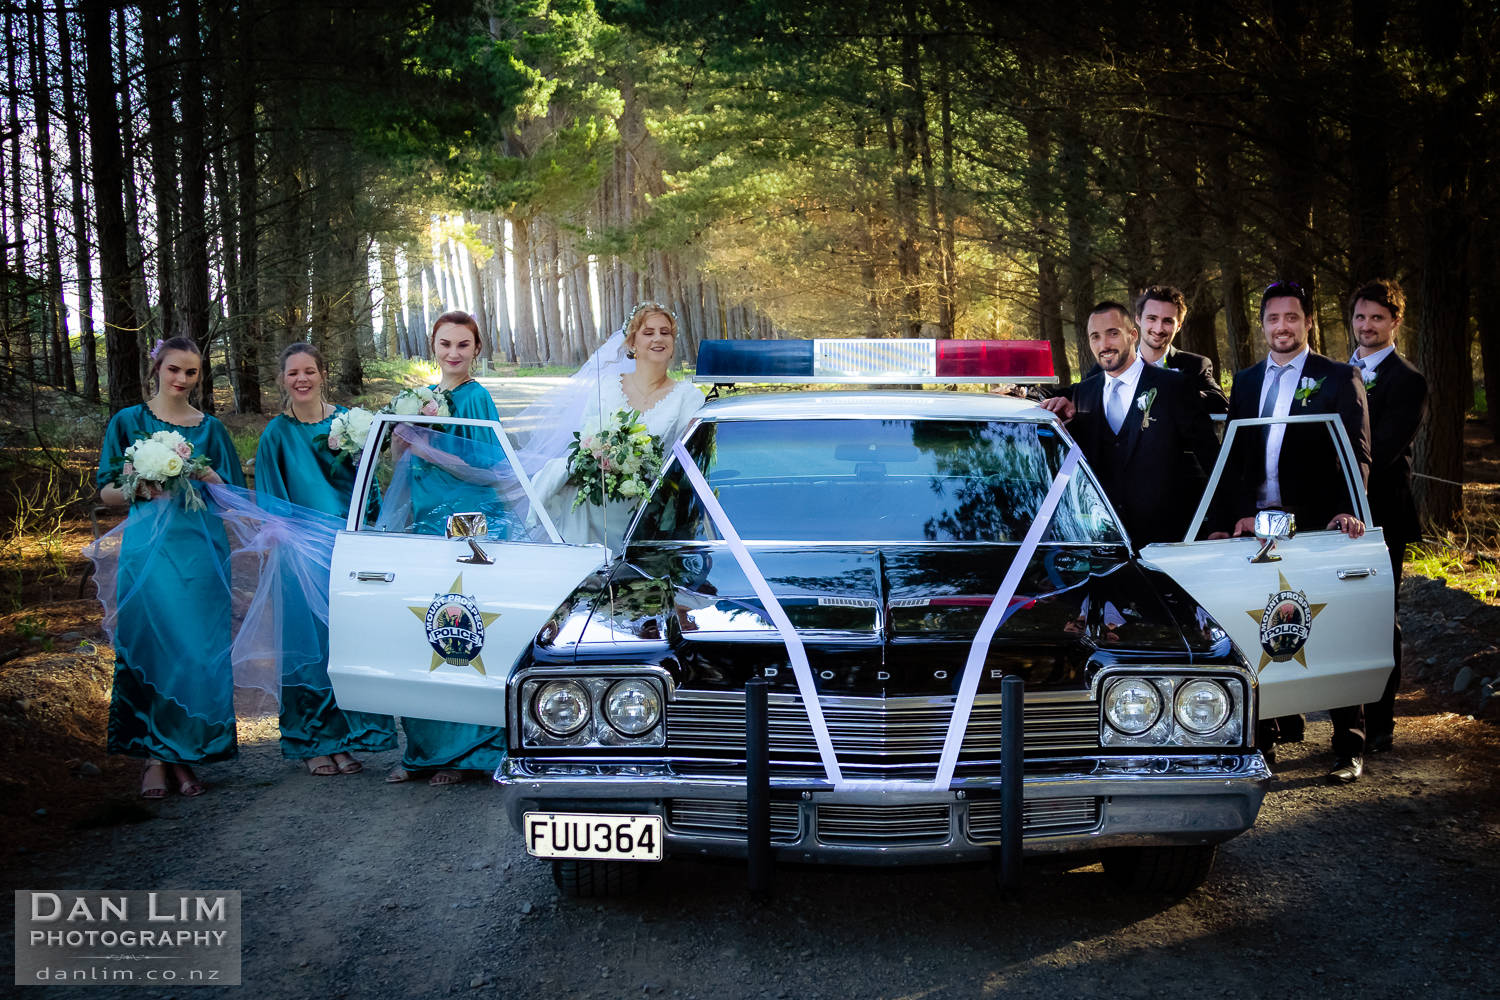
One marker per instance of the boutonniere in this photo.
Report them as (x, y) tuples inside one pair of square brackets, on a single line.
[(1369, 378), (1143, 403), (1306, 388)]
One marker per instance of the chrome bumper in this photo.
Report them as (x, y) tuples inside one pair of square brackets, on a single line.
[(1130, 801)]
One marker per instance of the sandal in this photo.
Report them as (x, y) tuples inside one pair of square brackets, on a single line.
[(446, 776), (188, 785), (398, 774), (347, 764), (326, 769), (153, 790)]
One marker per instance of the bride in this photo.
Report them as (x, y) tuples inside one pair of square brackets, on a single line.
[(608, 384)]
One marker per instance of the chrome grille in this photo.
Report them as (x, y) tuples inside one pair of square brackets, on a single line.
[(874, 731), (1040, 817), (716, 817), (883, 825)]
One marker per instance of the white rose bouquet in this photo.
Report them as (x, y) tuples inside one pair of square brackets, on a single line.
[(164, 460), (349, 432), (420, 401), (619, 459)]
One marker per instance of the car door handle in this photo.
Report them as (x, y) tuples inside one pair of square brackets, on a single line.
[(374, 576), (1356, 574)]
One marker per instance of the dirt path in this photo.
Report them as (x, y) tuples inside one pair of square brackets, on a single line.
[(352, 888)]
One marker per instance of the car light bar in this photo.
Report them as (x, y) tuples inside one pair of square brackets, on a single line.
[(900, 361)]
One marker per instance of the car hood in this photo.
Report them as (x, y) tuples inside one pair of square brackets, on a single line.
[(885, 620)]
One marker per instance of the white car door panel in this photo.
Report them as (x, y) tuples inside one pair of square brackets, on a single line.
[(1315, 626), (419, 627), (1316, 623)]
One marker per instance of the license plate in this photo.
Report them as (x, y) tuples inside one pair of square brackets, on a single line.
[(592, 836)]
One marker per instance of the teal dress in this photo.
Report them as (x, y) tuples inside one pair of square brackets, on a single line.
[(294, 463), (435, 493), (173, 694)]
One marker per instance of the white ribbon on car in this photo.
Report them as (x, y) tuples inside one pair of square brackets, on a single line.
[(797, 653)]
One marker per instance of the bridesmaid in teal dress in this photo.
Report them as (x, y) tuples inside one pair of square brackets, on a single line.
[(294, 463), (449, 748), (173, 697)]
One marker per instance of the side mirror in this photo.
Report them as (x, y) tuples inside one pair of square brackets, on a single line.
[(1271, 525), (477, 526), (469, 527)]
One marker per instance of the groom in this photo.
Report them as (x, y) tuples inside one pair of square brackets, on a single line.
[(1143, 429)]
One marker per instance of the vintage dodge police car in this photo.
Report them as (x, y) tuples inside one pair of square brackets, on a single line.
[(884, 560)]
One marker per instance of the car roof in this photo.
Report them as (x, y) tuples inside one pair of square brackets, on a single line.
[(860, 404)]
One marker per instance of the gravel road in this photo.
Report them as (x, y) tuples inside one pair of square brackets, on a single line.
[(352, 888)]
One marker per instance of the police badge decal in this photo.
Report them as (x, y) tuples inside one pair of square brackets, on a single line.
[(1285, 624), (455, 627)]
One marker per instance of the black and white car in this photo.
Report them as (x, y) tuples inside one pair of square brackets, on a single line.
[(884, 560)]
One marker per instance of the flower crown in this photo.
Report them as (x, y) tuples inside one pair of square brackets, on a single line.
[(650, 306)]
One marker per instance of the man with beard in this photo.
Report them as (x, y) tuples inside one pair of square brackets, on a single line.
[(1159, 314), (1397, 394), (1142, 428), (1295, 467)]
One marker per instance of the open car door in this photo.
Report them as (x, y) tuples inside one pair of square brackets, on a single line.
[(1314, 615), (447, 568)]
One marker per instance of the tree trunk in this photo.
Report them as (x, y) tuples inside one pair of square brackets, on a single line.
[(108, 169), (62, 352), (1078, 201), (1443, 346), (247, 181), (159, 76), (1040, 190), (500, 278), (526, 340), (908, 246), (192, 246), (1487, 315), (1370, 139), (73, 126), (18, 202), (135, 246)]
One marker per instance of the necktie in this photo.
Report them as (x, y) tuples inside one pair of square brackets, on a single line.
[(1114, 409), (1272, 394)]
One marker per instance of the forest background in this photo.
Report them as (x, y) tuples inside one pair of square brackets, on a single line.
[(254, 173)]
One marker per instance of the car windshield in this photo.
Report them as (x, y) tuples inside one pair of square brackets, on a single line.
[(902, 480)]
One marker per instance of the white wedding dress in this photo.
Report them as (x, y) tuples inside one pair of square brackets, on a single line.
[(589, 522)]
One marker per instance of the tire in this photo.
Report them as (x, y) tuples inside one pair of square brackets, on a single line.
[(1159, 870), (596, 879)]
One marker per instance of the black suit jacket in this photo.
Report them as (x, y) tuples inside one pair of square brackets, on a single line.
[(1398, 403), (1312, 481), (1197, 369), (1152, 474)]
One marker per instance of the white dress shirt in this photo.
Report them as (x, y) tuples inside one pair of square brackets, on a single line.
[(1370, 362), (1269, 494)]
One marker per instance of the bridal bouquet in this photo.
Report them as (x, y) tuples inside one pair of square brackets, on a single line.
[(619, 459), (421, 401), (349, 432), (166, 461)]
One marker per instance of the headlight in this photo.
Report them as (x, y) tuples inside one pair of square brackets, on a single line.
[(632, 706), (562, 707), (1132, 705), (1201, 706)]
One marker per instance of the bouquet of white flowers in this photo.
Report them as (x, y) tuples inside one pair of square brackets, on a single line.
[(166, 461), (349, 432), (420, 401), (616, 460)]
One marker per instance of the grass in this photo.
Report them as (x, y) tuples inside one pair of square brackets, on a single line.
[(1468, 559)]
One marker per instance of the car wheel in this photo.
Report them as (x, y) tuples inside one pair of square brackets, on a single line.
[(596, 879), (1159, 870)]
